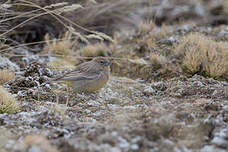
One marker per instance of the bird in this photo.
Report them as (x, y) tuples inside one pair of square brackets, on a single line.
[(89, 76)]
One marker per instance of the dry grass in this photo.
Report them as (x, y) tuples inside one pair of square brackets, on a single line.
[(146, 26), (98, 49), (157, 61), (65, 47), (202, 55), (151, 43), (163, 32), (60, 47), (109, 15), (6, 75), (8, 103), (61, 64), (225, 5), (37, 15)]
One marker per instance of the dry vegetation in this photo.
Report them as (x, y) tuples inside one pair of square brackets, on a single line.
[(146, 26), (6, 75), (62, 64), (63, 46), (8, 103), (202, 55), (157, 61), (98, 49)]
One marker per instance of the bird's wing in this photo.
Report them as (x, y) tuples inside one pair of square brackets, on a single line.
[(76, 76), (83, 67), (84, 71)]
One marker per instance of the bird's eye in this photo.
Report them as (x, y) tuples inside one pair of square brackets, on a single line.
[(104, 62)]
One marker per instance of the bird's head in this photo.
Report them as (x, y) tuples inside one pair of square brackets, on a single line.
[(102, 61)]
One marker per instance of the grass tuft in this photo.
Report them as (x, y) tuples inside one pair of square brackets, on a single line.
[(8, 103), (60, 47), (146, 26), (94, 50), (157, 61), (60, 64), (202, 55), (6, 75)]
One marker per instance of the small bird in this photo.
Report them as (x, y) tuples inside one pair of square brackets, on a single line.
[(88, 76)]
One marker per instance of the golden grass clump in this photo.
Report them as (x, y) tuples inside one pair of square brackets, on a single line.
[(149, 26), (6, 75), (157, 61), (146, 26), (98, 49), (61, 64), (63, 46), (163, 32), (202, 55), (151, 43), (8, 103), (225, 5)]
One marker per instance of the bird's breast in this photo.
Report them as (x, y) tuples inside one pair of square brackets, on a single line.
[(99, 82)]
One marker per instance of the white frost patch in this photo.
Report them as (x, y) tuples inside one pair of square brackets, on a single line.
[(107, 93), (98, 113), (134, 147), (93, 103), (49, 71), (115, 149), (130, 107), (124, 144), (149, 89), (87, 111), (6, 63), (136, 139), (211, 148), (222, 133), (27, 116), (48, 86), (90, 119), (113, 107), (218, 141), (20, 93), (225, 108), (10, 144), (114, 133)]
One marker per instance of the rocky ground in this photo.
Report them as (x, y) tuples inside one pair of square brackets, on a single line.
[(151, 103), (181, 114)]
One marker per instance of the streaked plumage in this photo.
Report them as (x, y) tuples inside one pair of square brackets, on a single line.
[(89, 76)]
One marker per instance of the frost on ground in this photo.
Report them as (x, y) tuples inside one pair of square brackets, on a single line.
[(187, 114)]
